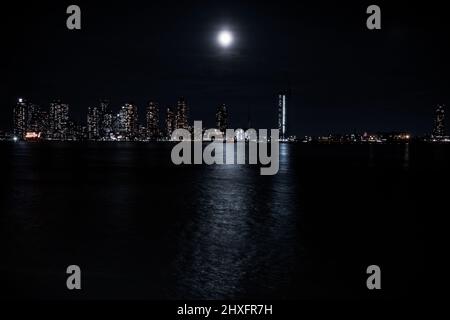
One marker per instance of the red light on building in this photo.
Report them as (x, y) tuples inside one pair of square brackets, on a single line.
[(32, 136)]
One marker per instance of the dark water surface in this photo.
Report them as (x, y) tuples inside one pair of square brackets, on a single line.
[(141, 227)]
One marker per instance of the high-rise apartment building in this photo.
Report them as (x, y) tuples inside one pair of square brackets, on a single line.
[(182, 115), (128, 122), (171, 122), (439, 125), (20, 119), (58, 121), (152, 121)]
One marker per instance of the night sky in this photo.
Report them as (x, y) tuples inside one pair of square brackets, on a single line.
[(342, 76)]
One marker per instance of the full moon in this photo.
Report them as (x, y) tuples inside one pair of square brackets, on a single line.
[(225, 38)]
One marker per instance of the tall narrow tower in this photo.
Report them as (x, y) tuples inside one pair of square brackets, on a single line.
[(282, 115)]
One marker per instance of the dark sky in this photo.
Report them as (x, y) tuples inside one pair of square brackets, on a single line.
[(343, 77)]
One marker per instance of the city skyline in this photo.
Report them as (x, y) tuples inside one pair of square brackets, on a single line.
[(341, 75), (32, 121), (277, 114)]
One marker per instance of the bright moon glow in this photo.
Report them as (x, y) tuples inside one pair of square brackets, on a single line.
[(225, 38)]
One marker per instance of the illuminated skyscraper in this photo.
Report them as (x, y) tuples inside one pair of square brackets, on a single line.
[(107, 126), (282, 115), (58, 120), (36, 119), (99, 121), (117, 124), (170, 122), (222, 118), (128, 117), (105, 120), (439, 125), (32, 116), (20, 119), (93, 123), (182, 116), (152, 121)]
